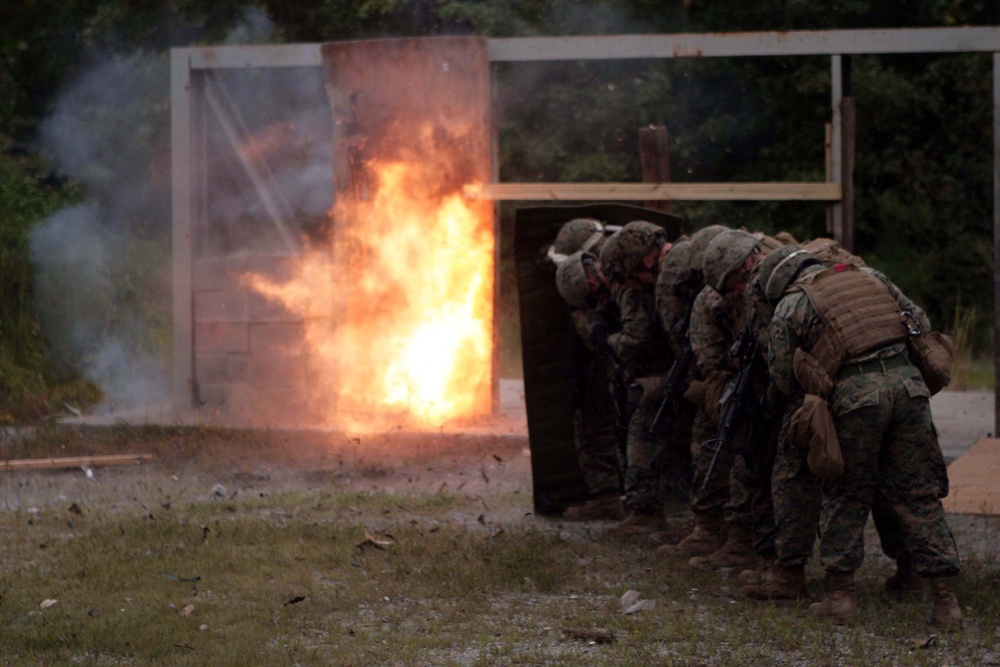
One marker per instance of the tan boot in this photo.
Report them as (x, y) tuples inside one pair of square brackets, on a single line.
[(606, 507), (673, 533), (904, 581), (708, 535), (637, 523), (762, 573), (780, 583), (841, 604), (945, 613), (736, 552)]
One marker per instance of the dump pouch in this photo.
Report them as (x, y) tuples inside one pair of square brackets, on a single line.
[(811, 374), (812, 429), (934, 354)]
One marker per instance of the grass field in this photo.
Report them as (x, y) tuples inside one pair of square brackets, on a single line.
[(256, 549)]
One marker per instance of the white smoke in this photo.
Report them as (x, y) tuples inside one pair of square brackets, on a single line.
[(102, 267)]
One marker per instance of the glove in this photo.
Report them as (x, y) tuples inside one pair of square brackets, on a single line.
[(649, 384)]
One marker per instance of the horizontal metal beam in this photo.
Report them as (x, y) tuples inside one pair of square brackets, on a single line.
[(656, 191), (800, 43), (259, 55), (611, 47)]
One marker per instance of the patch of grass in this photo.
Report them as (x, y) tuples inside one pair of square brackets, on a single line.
[(971, 370), (158, 569), (283, 580)]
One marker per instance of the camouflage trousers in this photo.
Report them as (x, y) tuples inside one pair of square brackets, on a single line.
[(595, 433), (797, 495), (756, 480), (658, 462), (892, 460)]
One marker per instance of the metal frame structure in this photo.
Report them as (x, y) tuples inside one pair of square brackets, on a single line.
[(190, 67)]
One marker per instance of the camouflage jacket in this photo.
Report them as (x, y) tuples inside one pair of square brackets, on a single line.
[(796, 324), (640, 343), (714, 327)]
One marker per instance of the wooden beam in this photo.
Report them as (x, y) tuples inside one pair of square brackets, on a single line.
[(654, 191), (73, 462)]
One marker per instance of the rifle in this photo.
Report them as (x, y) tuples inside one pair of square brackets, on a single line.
[(735, 406), (678, 372)]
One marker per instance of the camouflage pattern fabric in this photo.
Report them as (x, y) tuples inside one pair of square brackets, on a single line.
[(594, 412), (640, 342), (890, 448), (642, 347), (714, 326)]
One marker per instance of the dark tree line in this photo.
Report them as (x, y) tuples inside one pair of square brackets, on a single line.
[(924, 134)]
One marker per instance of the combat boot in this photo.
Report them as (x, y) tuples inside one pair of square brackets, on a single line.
[(780, 583), (841, 604), (606, 507), (707, 536), (904, 581), (945, 613), (672, 533), (637, 523), (736, 552), (760, 574)]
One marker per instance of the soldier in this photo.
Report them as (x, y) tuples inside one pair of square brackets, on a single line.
[(631, 259), (675, 290), (711, 335), (838, 339), (582, 286)]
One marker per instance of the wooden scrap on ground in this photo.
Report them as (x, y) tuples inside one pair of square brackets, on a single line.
[(73, 462)]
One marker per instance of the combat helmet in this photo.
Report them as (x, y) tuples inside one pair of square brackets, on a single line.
[(700, 240), (571, 279), (578, 234), (675, 269), (634, 243), (725, 254), (780, 268)]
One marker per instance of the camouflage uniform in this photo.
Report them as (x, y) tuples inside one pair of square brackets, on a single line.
[(641, 346), (890, 449), (714, 326), (594, 412), (594, 433)]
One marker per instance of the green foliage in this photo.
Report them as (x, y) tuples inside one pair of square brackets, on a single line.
[(29, 384)]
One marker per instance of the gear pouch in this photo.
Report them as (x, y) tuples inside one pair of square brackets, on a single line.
[(812, 429)]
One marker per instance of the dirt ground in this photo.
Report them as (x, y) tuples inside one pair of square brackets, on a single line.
[(202, 464)]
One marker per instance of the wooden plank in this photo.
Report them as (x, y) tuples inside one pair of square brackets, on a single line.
[(73, 462), (653, 191)]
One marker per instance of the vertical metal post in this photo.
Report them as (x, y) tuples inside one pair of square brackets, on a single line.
[(181, 157), (837, 142), (498, 240), (996, 244)]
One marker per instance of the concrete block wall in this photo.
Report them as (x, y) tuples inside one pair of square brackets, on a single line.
[(250, 357)]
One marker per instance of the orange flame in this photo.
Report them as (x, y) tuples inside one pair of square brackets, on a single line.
[(411, 288)]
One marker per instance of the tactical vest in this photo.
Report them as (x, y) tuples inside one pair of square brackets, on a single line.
[(829, 252), (860, 313)]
